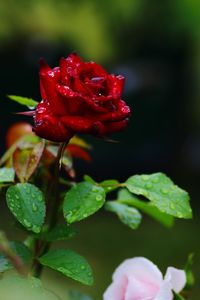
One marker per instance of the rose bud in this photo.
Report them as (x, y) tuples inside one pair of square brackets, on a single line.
[(139, 279), (79, 97)]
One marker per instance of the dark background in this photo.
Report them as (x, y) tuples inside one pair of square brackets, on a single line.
[(156, 46)]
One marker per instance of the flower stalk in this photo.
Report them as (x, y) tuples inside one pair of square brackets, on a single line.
[(41, 246)]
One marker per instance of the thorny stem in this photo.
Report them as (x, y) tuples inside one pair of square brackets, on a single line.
[(41, 247)]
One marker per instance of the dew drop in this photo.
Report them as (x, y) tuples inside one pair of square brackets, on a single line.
[(85, 215), (27, 223), (99, 198), (164, 191), (17, 205), (40, 198), (36, 229), (172, 206), (148, 186), (145, 177), (34, 207), (83, 267), (95, 189), (155, 180), (179, 215), (69, 214)]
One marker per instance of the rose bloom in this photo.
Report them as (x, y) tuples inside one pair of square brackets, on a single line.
[(139, 279), (79, 97)]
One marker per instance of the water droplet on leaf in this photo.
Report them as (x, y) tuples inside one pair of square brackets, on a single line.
[(34, 207), (27, 223), (148, 186), (99, 198), (145, 177), (164, 191)]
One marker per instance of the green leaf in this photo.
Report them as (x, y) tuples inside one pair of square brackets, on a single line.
[(68, 263), (60, 232), (23, 100), (14, 286), (128, 215), (26, 202), (89, 179), (109, 185), (124, 196), (162, 192), (189, 272), (19, 249), (82, 200), (76, 295), (7, 175)]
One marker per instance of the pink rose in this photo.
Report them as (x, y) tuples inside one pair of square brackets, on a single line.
[(139, 279)]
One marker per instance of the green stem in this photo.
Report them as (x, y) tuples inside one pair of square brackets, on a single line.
[(42, 247)]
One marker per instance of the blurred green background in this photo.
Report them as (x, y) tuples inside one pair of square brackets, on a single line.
[(156, 46)]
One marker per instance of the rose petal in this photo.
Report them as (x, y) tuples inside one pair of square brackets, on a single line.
[(165, 292), (78, 152), (73, 60), (140, 290), (77, 124), (116, 290), (122, 111), (140, 268), (176, 277), (63, 71), (48, 85), (111, 127), (48, 126), (115, 85)]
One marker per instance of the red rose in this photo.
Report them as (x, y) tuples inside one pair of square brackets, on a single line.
[(79, 97)]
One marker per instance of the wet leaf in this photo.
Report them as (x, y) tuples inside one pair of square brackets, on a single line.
[(7, 175), (162, 193), (128, 215), (124, 196), (60, 232), (82, 200), (26, 203), (69, 263)]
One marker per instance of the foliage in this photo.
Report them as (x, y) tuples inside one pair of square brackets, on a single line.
[(33, 180)]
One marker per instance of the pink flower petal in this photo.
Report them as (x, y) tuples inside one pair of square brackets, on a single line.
[(140, 290), (116, 290), (165, 292), (140, 268), (176, 278)]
